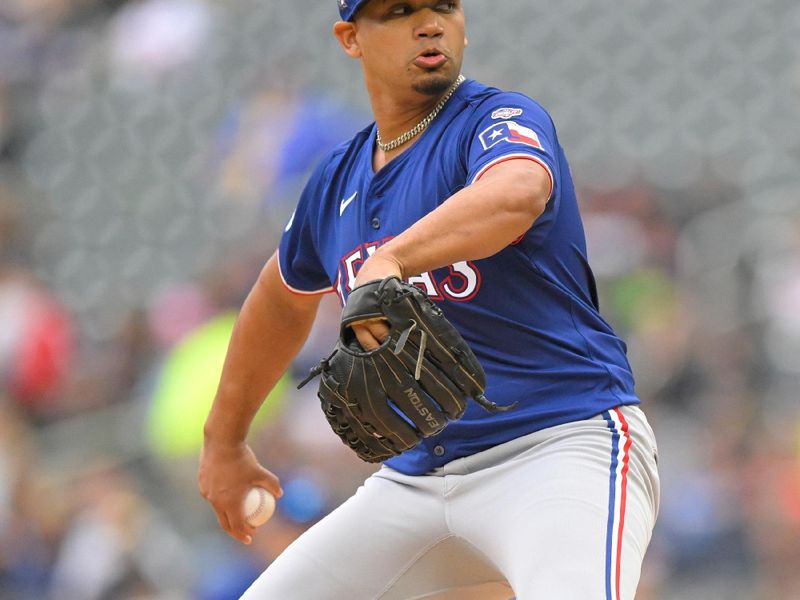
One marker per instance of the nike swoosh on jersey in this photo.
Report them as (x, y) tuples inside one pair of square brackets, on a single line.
[(346, 203)]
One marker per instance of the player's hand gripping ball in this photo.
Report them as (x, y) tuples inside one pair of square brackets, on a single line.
[(424, 368), (259, 505)]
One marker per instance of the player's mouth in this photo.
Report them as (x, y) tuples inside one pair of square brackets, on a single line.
[(430, 59)]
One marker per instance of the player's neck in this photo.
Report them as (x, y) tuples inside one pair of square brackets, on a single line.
[(394, 119), (396, 115), (396, 112)]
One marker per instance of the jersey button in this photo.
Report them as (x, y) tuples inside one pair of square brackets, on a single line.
[(376, 223), (438, 450)]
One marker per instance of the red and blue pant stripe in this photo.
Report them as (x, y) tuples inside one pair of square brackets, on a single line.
[(617, 497)]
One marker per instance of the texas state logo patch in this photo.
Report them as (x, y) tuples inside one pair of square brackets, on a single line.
[(509, 131)]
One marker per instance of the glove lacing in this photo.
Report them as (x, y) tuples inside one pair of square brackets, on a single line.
[(401, 343)]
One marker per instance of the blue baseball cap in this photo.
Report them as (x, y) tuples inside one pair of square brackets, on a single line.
[(349, 8)]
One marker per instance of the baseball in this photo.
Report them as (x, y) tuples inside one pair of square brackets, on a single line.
[(259, 505)]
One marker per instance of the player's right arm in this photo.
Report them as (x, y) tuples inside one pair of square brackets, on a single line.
[(272, 327)]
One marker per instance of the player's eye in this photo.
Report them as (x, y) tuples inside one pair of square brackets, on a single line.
[(400, 10), (403, 10)]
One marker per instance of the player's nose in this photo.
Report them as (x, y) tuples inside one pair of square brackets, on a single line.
[(429, 25)]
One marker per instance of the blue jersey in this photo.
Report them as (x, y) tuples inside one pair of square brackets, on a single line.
[(530, 312)]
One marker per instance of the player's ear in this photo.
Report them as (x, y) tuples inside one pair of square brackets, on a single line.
[(345, 33), (466, 42)]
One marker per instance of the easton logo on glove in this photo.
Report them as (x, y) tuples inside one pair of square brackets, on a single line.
[(384, 401)]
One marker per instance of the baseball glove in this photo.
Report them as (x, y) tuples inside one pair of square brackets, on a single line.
[(384, 401)]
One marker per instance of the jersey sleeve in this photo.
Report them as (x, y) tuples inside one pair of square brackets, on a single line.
[(300, 265), (511, 126), (508, 126)]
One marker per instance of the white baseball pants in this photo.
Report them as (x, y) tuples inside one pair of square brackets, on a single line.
[(564, 513)]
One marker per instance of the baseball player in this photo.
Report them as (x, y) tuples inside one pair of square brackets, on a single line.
[(463, 191)]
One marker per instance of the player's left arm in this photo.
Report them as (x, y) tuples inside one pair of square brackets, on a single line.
[(476, 222)]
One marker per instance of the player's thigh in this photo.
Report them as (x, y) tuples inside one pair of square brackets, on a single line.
[(451, 570), (358, 550), (572, 516)]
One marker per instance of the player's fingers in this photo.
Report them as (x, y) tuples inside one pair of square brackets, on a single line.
[(365, 337), (369, 321), (379, 329), (270, 483), (239, 529), (225, 524), (233, 522), (222, 519)]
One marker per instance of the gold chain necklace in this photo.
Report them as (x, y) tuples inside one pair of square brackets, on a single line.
[(422, 125)]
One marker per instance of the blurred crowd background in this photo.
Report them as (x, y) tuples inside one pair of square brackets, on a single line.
[(150, 153)]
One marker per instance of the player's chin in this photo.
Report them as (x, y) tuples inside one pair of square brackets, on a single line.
[(433, 82)]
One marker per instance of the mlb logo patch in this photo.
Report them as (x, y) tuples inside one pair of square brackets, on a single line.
[(506, 113), (509, 131)]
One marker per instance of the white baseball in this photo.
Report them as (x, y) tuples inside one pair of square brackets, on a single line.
[(259, 505)]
